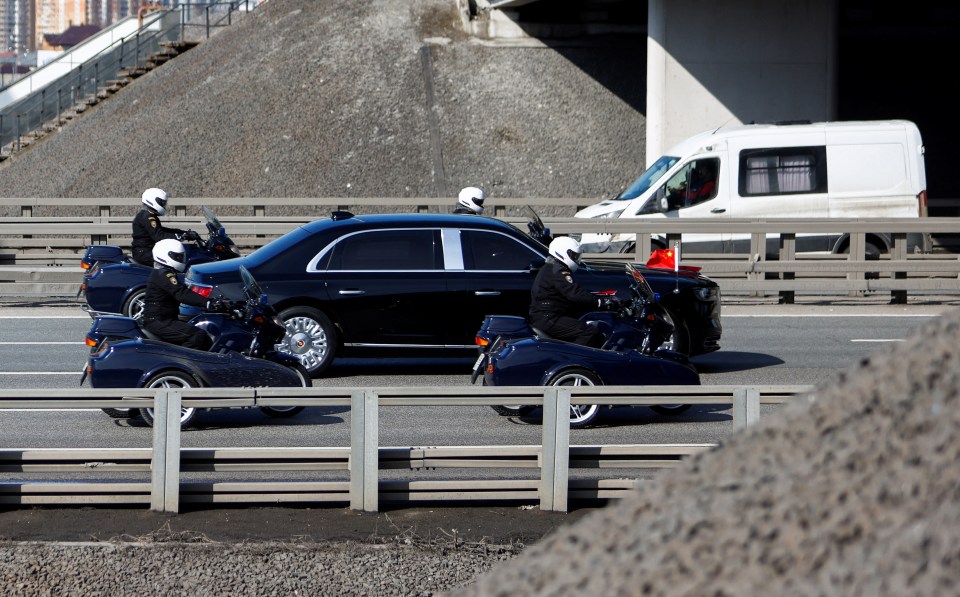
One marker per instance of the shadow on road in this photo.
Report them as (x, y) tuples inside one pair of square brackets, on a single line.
[(731, 361)]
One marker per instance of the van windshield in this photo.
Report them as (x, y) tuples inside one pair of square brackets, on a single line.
[(648, 178)]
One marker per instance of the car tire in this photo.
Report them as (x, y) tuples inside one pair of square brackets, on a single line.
[(512, 411), (285, 412), (679, 341), (171, 379), (311, 337), (581, 415), (871, 252), (120, 413), (133, 307)]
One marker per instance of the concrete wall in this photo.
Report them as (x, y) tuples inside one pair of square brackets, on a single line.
[(713, 62)]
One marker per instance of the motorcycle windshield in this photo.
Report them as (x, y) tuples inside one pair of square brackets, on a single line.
[(639, 284), (250, 286), (537, 230), (211, 218)]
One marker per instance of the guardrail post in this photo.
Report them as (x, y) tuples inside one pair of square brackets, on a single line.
[(788, 252), (746, 407), (758, 252), (555, 466), (898, 252), (364, 451), (857, 252), (165, 468)]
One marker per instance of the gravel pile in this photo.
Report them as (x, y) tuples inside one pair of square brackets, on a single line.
[(308, 98), (856, 492), (119, 569)]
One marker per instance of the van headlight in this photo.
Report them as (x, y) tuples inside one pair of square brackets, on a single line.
[(612, 214)]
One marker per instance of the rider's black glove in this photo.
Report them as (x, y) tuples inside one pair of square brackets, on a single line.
[(218, 306), (610, 303), (191, 236)]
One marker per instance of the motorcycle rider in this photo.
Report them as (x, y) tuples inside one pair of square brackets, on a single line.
[(557, 300), (147, 228), (470, 201), (165, 292)]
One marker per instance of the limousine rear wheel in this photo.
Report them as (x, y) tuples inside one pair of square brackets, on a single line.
[(311, 337)]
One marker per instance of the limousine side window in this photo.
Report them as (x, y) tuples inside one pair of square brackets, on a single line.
[(783, 171), (492, 251), (386, 250)]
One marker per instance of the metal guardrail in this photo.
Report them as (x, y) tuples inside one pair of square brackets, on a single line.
[(364, 458), (33, 248)]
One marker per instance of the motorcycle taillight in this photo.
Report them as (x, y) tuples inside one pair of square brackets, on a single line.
[(481, 341)]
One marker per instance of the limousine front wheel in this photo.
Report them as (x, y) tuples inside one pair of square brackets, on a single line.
[(311, 337)]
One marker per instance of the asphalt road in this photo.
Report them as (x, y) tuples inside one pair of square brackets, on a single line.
[(42, 348)]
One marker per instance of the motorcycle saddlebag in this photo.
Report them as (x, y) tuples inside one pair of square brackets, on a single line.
[(509, 326)]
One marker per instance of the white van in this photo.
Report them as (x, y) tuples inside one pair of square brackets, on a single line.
[(811, 170)]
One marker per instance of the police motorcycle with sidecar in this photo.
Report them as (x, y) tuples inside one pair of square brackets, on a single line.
[(124, 355), (116, 284), (512, 353)]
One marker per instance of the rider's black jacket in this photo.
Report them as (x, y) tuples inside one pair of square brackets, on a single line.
[(165, 292), (147, 230), (555, 293), (464, 211)]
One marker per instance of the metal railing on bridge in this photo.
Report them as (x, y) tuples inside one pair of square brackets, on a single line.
[(36, 250), (362, 461)]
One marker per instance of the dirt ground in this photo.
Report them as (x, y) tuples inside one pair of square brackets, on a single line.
[(495, 524)]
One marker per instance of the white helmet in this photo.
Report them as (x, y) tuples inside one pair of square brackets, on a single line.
[(472, 198), (170, 252), (155, 199), (566, 250)]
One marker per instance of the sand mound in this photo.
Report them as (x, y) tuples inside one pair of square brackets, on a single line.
[(855, 492), (304, 98)]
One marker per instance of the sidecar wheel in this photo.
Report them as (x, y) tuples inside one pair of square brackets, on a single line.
[(311, 337), (283, 412), (171, 379), (581, 415), (512, 411), (135, 304), (120, 413)]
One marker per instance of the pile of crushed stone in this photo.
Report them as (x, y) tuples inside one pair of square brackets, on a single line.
[(855, 491), (340, 98)]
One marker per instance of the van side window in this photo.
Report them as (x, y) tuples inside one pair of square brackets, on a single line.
[(783, 171)]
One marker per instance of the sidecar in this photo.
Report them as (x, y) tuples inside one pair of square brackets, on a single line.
[(147, 363), (539, 361)]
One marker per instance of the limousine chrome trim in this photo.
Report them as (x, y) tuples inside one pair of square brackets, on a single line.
[(431, 346)]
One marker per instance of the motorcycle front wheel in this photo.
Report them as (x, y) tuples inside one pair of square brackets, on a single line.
[(171, 379), (283, 412), (120, 413), (509, 410)]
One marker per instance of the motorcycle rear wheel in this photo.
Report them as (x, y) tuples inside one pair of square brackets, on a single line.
[(135, 304), (171, 379), (284, 412), (120, 413)]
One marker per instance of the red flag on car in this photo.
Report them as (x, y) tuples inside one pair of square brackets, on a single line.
[(666, 259)]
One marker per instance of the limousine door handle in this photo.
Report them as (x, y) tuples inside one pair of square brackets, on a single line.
[(487, 293), (718, 210), (351, 291)]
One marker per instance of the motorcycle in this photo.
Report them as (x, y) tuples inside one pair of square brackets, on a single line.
[(116, 284), (125, 355), (512, 353)]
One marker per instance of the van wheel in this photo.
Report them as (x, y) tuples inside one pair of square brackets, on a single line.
[(871, 252)]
